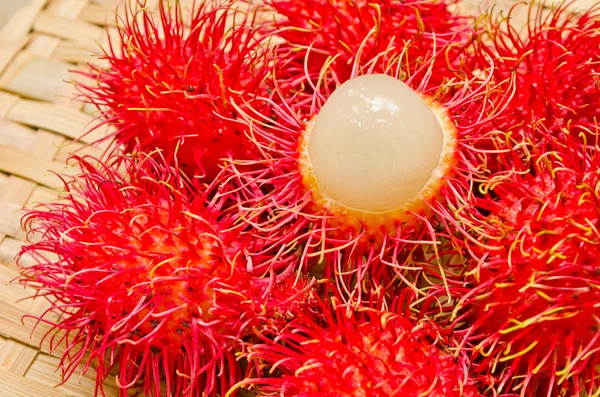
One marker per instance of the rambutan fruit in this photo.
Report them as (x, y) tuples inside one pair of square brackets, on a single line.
[(357, 184), (143, 278), (528, 306), (170, 79), (340, 34), (520, 267), (550, 66), (366, 352)]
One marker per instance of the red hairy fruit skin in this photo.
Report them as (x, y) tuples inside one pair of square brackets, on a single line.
[(529, 306), (359, 353), (286, 296), (143, 279), (171, 78), (341, 34), (551, 72)]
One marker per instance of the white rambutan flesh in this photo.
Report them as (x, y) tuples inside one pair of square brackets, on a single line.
[(375, 145)]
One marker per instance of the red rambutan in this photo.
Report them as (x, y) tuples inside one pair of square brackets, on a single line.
[(170, 81), (551, 66), (144, 279), (358, 353), (524, 237), (323, 41), (528, 307)]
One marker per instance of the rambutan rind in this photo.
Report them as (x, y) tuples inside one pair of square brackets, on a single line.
[(142, 278), (358, 353), (171, 77), (323, 41), (527, 304), (550, 65)]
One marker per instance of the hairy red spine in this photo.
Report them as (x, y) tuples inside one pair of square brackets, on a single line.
[(324, 41), (357, 353), (142, 278), (170, 80)]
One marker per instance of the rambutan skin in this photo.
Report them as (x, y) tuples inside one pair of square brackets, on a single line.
[(171, 79), (527, 304), (522, 228), (143, 278), (343, 34), (286, 296), (359, 353), (549, 67)]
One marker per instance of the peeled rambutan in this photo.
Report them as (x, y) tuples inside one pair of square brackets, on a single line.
[(323, 41), (366, 352), (355, 186), (528, 305), (143, 278), (170, 79)]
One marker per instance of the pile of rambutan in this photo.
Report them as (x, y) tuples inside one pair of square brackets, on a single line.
[(333, 198)]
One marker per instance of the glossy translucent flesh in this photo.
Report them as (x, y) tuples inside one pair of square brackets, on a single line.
[(374, 144)]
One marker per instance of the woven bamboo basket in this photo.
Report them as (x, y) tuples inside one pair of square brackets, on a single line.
[(39, 45)]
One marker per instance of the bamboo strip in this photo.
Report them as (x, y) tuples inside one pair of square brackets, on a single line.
[(15, 302), (36, 78), (43, 46), (16, 135), (30, 167), (6, 103), (9, 248), (43, 369), (57, 118), (66, 8), (17, 357), (79, 31), (20, 23), (13, 385), (10, 219), (9, 50), (99, 14)]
